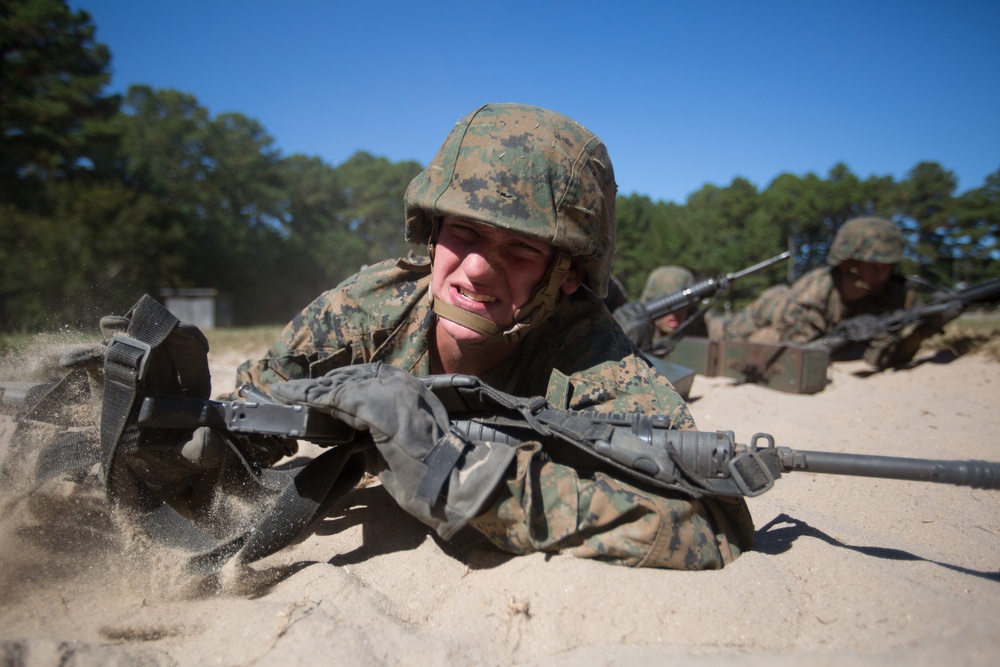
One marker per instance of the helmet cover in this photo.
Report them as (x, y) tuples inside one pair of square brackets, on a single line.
[(528, 170), (866, 239), (666, 279)]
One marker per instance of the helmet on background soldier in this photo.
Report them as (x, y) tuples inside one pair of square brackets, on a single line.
[(866, 239), (664, 280), (530, 171)]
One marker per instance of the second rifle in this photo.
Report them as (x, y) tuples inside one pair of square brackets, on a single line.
[(691, 295)]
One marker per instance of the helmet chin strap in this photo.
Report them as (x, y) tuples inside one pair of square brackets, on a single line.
[(537, 309)]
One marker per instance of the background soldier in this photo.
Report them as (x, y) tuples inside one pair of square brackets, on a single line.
[(645, 332), (859, 279), (517, 212)]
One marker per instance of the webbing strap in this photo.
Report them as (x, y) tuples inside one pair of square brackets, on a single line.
[(601, 443), (533, 416), (440, 461), (754, 472), (72, 453), (469, 320), (298, 494), (125, 363)]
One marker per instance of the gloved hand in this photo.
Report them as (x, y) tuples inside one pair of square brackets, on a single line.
[(635, 321), (862, 328), (435, 474), (896, 348)]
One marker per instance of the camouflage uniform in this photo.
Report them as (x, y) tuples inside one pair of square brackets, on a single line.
[(575, 356), (578, 360), (813, 305), (808, 309)]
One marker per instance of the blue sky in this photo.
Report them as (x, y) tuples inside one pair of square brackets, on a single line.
[(683, 92)]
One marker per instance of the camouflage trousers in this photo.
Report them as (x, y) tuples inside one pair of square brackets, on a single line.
[(550, 507)]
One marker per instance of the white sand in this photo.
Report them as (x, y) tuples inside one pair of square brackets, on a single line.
[(847, 571)]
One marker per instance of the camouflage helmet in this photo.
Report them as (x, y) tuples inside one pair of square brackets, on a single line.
[(527, 170), (866, 240), (666, 279)]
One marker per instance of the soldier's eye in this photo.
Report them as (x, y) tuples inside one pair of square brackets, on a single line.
[(462, 232)]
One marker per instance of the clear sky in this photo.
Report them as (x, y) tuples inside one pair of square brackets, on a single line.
[(683, 92)]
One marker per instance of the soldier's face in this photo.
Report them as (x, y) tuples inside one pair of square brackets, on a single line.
[(486, 271), (875, 275), (669, 322)]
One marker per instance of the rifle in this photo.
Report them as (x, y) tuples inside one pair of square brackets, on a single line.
[(712, 461), (642, 448), (686, 297), (924, 319), (636, 318)]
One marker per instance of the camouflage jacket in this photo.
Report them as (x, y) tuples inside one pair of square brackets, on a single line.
[(579, 359), (808, 309)]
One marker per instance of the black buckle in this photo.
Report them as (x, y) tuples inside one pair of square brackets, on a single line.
[(751, 453), (120, 340)]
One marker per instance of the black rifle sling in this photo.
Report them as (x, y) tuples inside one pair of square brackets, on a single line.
[(298, 493), (586, 440)]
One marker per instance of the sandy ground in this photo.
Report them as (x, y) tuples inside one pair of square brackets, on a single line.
[(846, 570)]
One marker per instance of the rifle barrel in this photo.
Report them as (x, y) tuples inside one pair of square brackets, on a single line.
[(983, 292), (692, 294), (759, 265), (976, 474)]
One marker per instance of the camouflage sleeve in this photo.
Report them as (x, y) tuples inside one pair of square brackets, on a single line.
[(594, 366), (630, 385), (341, 326), (310, 336), (761, 314), (807, 312)]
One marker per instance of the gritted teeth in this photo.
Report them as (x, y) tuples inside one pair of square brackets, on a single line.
[(481, 298)]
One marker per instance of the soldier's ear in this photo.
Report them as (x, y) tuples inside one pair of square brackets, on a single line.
[(573, 278), (433, 237)]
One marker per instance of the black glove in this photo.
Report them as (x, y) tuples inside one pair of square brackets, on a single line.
[(435, 474), (635, 321), (861, 328), (897, 348)]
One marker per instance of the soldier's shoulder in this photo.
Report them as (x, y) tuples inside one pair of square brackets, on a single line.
[(382, 291), (581, 322), (819, 280)]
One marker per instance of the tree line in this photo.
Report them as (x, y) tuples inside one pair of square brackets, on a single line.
[(104, 197), (951, 238)]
